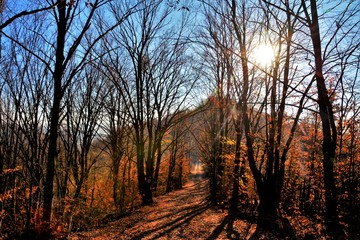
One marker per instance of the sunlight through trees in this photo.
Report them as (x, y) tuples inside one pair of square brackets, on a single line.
[(107, 105)]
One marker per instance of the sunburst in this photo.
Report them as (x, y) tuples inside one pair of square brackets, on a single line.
[(264, 55)]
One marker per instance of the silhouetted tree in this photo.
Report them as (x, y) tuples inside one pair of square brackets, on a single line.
[(153, 80)]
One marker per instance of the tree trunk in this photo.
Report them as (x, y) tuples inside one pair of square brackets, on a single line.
[(55, 112), (328, 126), (157, 166), (147, 197), (169, 185), (213, 185), (235, 193), (144, 182), (266, 185), (116, 189), (180, 178), (50, 170), (1, 170), (121, 200), (78, 188), (269, 202)]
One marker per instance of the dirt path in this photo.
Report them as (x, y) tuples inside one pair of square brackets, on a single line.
[(183, 214), (186, 214)]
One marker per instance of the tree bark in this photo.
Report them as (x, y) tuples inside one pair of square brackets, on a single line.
[(158, 161), (235, 193), (55, 112), (144, 183), (172, 162), (328, 124)]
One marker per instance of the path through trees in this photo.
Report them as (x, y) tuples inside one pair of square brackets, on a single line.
[(187, 214)]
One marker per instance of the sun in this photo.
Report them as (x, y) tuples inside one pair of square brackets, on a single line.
[(264, 55)]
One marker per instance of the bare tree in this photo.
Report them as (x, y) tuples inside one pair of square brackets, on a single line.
[(217, 42), (152, 81), (25, 85), (267, 109), (323, 51), (117, 138), (84, 106), (64, 16), (67, 18), (177, 151), (20, 14)]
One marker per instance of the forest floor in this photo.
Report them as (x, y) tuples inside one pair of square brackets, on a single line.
[(187, 214), (182, 214)]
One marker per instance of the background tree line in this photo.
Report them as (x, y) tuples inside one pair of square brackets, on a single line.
[(105, 104)]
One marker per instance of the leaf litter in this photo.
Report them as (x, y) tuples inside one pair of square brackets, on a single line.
[(182, 214)]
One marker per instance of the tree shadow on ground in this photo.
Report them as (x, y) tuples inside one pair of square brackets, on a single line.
[(228, 223), (173, 213), (284, 230), (253, 231), (176, 223)]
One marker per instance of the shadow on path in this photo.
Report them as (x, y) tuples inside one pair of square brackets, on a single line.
[(227, 224), (174, 224)]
